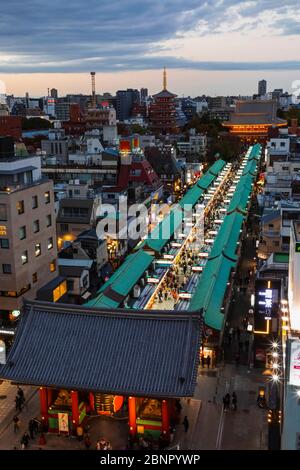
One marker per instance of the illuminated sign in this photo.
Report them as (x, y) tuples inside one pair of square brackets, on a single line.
[(152, 280), (3, 230), (175, 245), (166, 256), (266, 302), (294, 378), (185, 295), (197, 268), (63, 422)]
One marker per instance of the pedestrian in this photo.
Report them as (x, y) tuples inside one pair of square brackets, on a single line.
[(238, 333), (31, 427), (17, 402), (186, 424), (208, 360), (21, 395), (87, 441), (226, 402), (247, 345), (240, 346), (178, 405), (25, 440), (237, 359), (234, 401), (203, 360), (98, 445), (16, 422)]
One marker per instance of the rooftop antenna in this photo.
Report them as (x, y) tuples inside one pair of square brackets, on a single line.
[(165, 79), (93, 89)]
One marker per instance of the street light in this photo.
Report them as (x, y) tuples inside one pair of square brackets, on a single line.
[(275, 378)]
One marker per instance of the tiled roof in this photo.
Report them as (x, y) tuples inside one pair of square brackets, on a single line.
[(108, 351)]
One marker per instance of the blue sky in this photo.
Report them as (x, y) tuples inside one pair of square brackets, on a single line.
[(118, 37)]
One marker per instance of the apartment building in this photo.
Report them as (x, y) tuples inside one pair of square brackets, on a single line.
[(27, 231)]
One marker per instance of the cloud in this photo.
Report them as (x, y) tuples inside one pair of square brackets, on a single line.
[(109, 35)]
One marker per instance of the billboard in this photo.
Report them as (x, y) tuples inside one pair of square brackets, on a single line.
[(295, 363)]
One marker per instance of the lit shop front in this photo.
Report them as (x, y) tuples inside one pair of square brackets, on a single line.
[(63, 411), (67, 346)]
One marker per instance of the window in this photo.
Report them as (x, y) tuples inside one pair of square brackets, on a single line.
[(3, 212), (64, 228), (36, 226), (77, 192), (34, 202), (6, 268), (282, 144), (59, 291), (20, 207), (37, 249), (22, 232), (4, 243), (24, 257), (271, 225), (47, 197), (50, 243), (53, 266), (49, 220), (34, 277), (85, 281)]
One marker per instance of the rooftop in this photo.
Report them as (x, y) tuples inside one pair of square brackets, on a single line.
[(120, 352)]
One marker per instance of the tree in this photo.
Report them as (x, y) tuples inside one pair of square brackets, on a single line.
[(227, 146), (35, 123)]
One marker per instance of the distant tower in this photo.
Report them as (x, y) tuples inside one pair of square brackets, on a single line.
[(262, 87), (93, 89), (54, 93), (165, 79)]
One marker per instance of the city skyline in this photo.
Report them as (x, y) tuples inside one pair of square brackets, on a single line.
[(199, 83)]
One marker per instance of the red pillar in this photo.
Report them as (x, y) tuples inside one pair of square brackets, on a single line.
[(92, 401), (132, 415), (44, 405), (75, 410), (49, 396), (165, 418)]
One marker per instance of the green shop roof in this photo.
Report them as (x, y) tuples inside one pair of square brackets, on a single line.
[(163, 231), (210, 292), (192, 196), (114, 291)]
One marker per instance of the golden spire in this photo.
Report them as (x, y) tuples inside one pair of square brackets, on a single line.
[(165, 79)]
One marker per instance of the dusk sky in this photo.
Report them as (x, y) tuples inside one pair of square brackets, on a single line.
[(212, 47)]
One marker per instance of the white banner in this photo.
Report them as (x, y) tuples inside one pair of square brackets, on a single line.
[(295, 363), (2, 352)]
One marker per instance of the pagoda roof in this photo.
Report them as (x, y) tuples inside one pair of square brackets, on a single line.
[(103, 350), (164, 94)]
